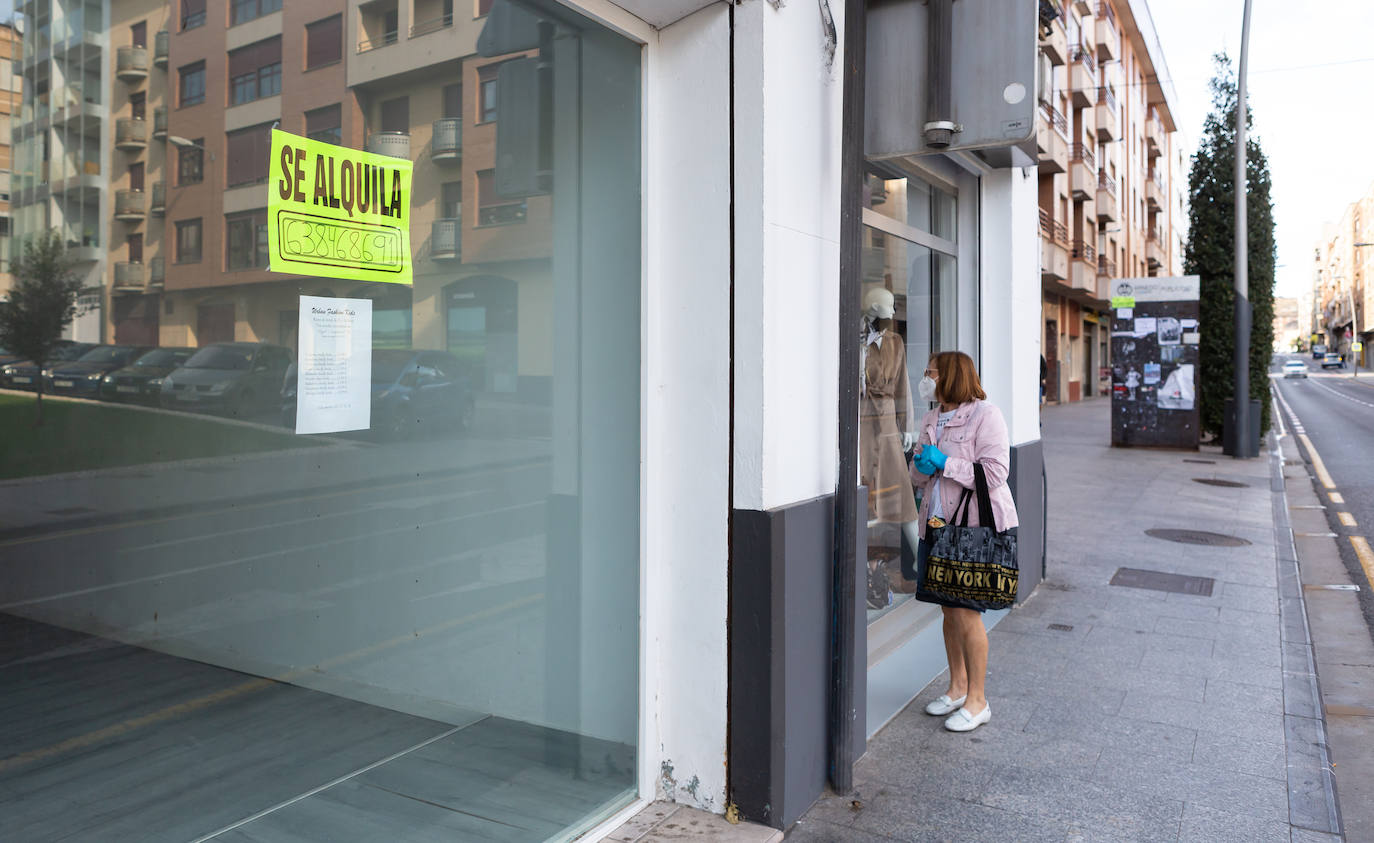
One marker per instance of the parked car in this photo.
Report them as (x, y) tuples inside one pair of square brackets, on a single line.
[(412, 392), (1318, 350), (24, 374), (1295, 369), (141, 380), (1332, 360), (84, 375), (235, 378), (7, 356)]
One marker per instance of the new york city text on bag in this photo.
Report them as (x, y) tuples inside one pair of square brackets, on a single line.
[(972, 567)]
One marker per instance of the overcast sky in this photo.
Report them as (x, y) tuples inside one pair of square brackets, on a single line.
[(1311, 74)]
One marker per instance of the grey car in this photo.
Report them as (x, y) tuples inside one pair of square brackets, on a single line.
[(238, 379)]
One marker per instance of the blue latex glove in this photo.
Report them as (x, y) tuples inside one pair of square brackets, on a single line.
[(923, 463), (934, 457)]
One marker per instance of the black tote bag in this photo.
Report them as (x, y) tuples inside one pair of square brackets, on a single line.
[(970, 567)]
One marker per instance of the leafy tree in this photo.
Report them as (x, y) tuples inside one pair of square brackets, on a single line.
[(1210, 252), (41, 304)]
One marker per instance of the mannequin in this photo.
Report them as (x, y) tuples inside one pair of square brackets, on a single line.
[(886, 417)]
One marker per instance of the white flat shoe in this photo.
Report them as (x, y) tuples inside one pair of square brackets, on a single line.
[(962, 721), (942, 705)]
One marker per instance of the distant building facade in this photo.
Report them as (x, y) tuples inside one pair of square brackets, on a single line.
[(1341, 293)]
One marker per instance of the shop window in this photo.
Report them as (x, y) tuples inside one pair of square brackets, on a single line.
[(188, 241), (242, 11), (192, 14), (492, 209), (246, 154), (324, 124), (192, 84), (190, 163), (246, 240), (323, 42), (255, 71)]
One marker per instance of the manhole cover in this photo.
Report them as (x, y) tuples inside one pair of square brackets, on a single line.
[(1212, 481), (1161, 581), (1062, 627), (1204, 462), (1197, 537)]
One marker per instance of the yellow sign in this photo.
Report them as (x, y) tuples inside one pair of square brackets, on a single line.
[(1123, 301), (1358, 346), (338, 212)]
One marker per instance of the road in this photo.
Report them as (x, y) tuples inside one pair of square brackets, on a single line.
[(1336, 412)]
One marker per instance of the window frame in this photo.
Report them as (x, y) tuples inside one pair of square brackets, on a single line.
[(192, 20), (317, 26), (183, 74), (259, 10), (257, 243), (336, 130), (182, 227), (185, 154)]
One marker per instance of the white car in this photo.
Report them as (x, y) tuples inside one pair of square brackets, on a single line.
[(1295, 369)]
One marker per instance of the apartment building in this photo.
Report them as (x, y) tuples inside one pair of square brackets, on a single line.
[(11, 89), (1341, 295), (1287, 323), (1108, 178), (62, 141)]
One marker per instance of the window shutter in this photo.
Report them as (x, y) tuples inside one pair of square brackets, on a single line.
[(190, 8), (246, 154), (324, 42), (322, 119), (249, 59)]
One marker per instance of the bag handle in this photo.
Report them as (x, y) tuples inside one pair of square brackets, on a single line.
[(964, 498), (980, 481)]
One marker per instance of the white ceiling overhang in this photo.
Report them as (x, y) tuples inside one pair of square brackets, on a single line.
[(661, 13)]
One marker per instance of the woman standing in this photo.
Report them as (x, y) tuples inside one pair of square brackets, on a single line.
[(964, 429)]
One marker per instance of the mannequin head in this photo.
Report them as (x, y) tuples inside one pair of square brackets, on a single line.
[(879, 304)]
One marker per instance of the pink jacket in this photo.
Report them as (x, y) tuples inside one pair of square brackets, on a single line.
[(977, 433)]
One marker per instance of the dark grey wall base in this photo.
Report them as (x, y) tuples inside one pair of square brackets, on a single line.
[(780, 594), (1027, 481)]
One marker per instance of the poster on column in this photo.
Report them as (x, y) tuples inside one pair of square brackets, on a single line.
[(334, 371), (1154, 365)]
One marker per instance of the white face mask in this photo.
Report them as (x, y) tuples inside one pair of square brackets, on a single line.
[(927, 388)]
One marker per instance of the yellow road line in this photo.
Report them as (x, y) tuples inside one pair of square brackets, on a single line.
[(1317, 463), (1337, 498), (1366, 555), (252, 685), (1346, 518)]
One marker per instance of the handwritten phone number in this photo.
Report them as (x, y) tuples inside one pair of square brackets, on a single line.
[(340, 242)]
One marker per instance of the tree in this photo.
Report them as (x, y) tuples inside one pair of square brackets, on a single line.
[(41, 304), (1210, 252)]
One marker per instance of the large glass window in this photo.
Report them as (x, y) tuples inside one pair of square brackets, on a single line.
[(424, 623)]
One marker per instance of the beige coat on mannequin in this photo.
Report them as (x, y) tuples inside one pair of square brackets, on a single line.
[(885, 413)]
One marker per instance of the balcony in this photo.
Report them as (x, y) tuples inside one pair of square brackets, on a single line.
[(1155, 253), (1082, 76), (445, 240), (1108, 41), (1106, 267), (157, 272), (1051, 140), (129, 206), (129, 276), (1154, 134), (159, 204), (448, 141), (1154, 191), (1106, 116), (395, 144), (130, 134), (1054, 249), (1082, 172), (1107, 207), (1083, 271), (162, 48), (160, 123), (432, 25), (1056, 43), (131, 63)]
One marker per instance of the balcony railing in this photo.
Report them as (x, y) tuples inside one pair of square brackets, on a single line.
[(159, 203), (160, 122), (157, 271), (1052, 228), (1106, 182), (1083, 152), (1055, 119), (445, 240), (1083, 250), (431, 25), (129, 205), (1084, 56), (448, 140), (131, 133), (131, 63), (1106, 266), (386, 39), (129, 274), (1104, 10), (162, 43), (395, 144), (1106, 97)]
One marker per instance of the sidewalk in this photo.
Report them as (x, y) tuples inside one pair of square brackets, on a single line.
[(1123, 713)]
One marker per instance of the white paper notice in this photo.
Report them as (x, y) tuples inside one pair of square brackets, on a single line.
[(1144, 325), (334, 372)]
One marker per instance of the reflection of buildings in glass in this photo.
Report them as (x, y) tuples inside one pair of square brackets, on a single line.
[(11, 89)]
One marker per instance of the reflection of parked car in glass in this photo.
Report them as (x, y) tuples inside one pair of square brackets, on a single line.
[(237, 378), (1332, 360), (412, 391), (24, 374), (142, 380), (83, 375)]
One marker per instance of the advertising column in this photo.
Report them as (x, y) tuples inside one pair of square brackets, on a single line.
[(1155, 362)]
